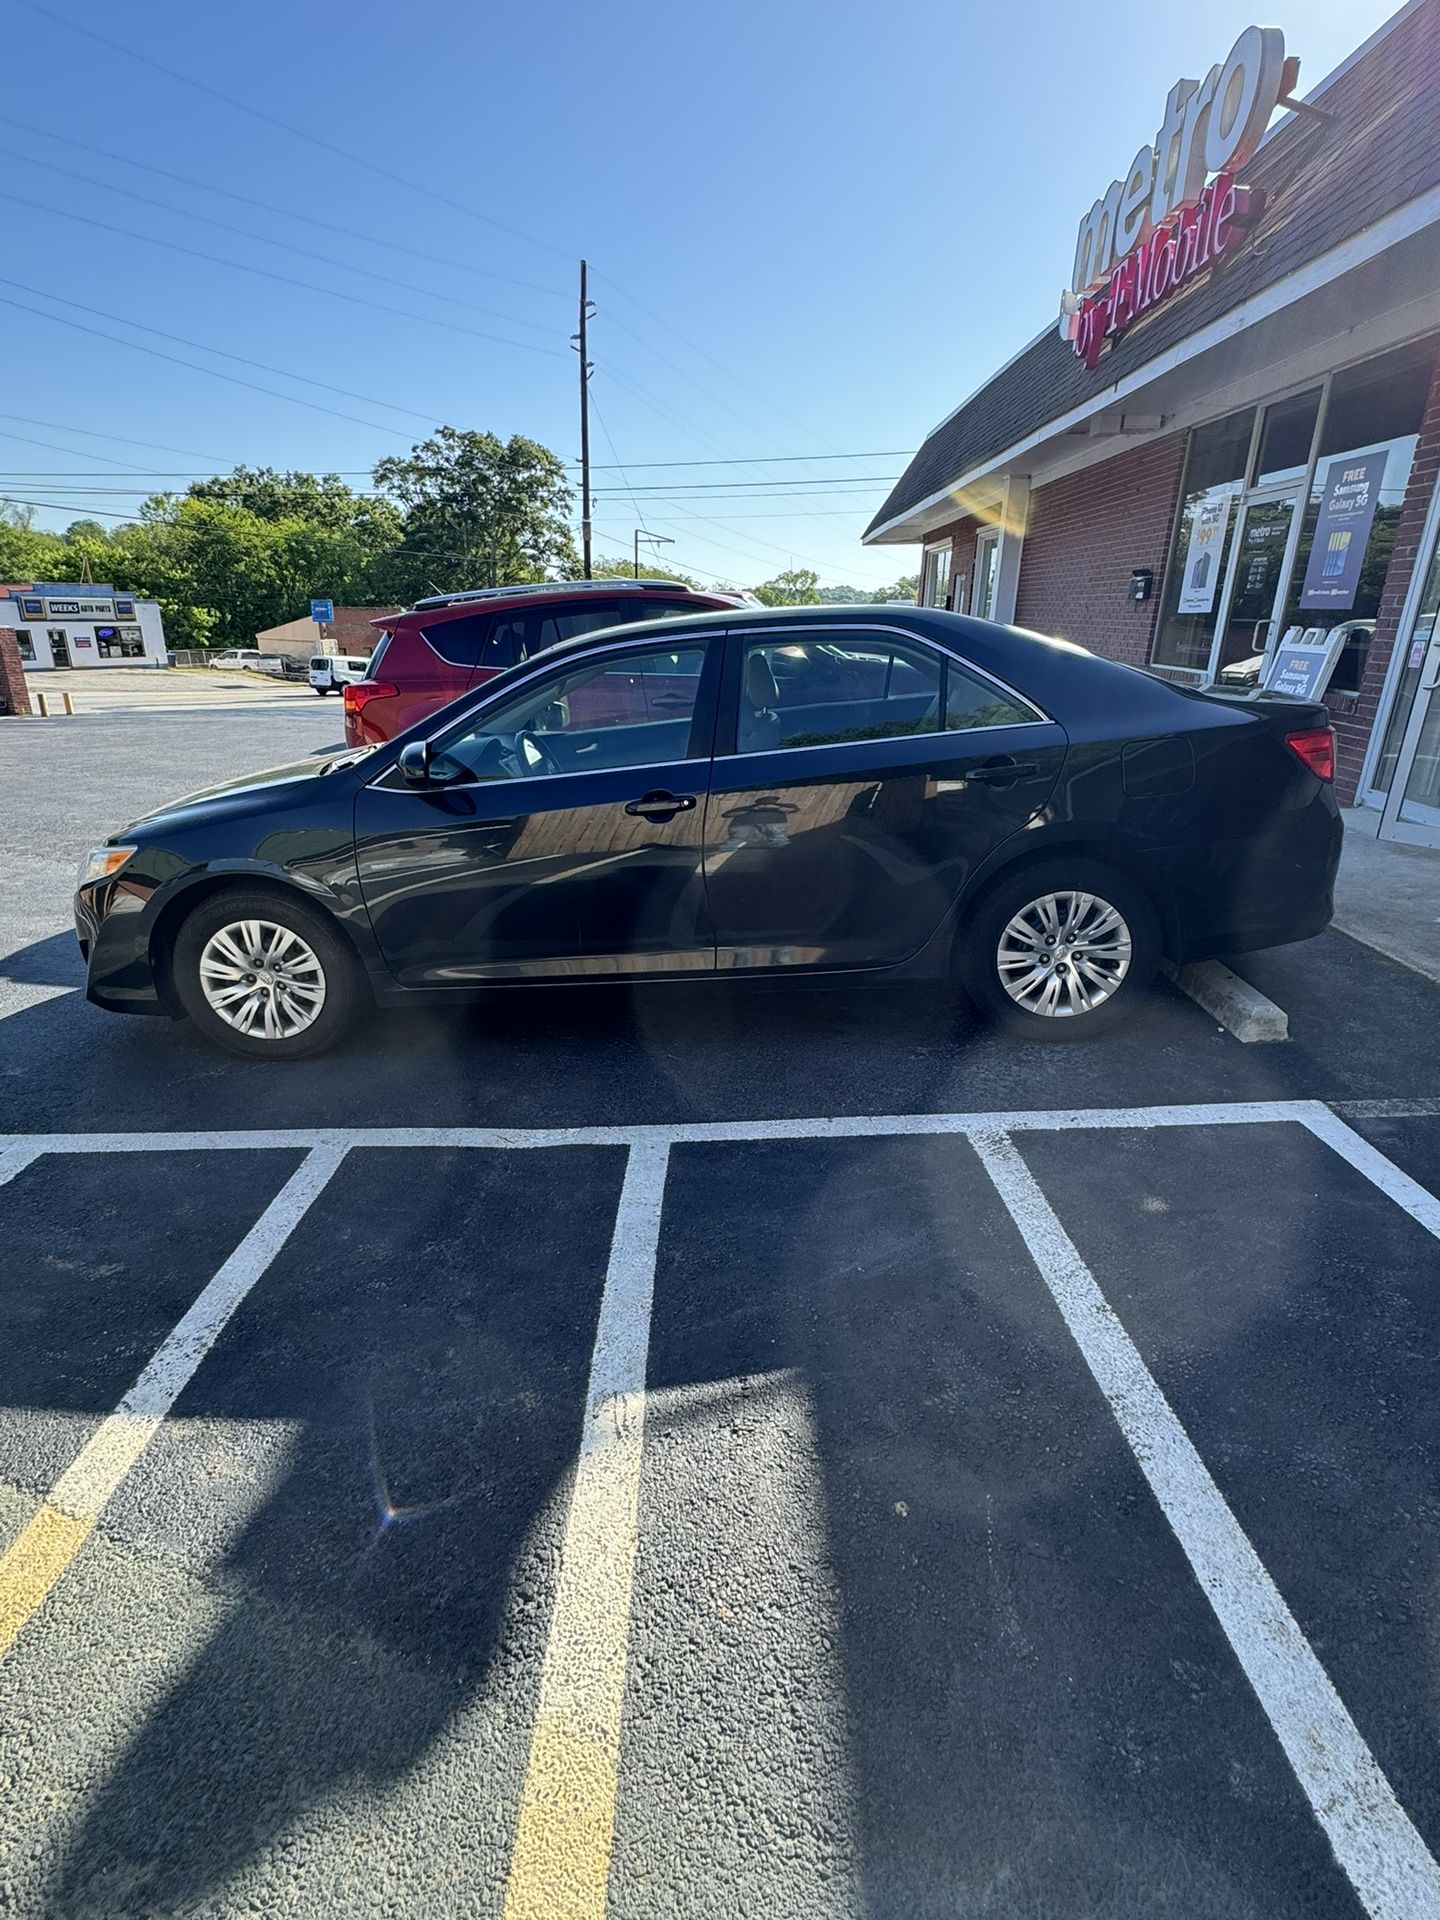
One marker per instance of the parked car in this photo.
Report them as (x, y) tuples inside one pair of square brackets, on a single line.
[(452, 644), (247, 660), (797, 790), (332, 672)]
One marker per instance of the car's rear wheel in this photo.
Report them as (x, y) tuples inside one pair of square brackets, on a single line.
[(1061, 951), (265, 976)]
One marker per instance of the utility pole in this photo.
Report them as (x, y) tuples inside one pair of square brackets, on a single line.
[(585, 371)]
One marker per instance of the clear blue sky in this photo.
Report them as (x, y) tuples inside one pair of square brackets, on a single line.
[(812, 229)]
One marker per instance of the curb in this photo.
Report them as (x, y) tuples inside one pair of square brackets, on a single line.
[(1243, 1009)]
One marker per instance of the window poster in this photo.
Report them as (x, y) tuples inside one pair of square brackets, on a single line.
[(1342, 530), (1202, 560)]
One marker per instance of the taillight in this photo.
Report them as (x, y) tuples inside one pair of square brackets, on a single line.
[(360, 692), (1316, 747)]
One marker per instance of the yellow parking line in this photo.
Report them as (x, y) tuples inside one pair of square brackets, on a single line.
[(560, 1862), (45, 1547), (33, 1563)]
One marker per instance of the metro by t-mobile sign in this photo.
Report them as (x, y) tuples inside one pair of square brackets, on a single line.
[(1160, 225)]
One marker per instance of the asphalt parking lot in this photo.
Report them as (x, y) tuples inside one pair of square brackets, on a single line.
[(707, 1451)]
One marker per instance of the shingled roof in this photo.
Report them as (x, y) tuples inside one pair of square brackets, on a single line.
[(1325, 181)]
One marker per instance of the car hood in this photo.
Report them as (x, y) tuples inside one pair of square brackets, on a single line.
[(279, 786)]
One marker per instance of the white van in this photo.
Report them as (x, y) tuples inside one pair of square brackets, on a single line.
[(329, 672)]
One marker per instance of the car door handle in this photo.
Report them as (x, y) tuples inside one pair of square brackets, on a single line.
[(1003, 772), (661, 805)]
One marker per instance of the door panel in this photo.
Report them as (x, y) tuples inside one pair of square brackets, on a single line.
[(518, 878), (851, 855), (562, 832)]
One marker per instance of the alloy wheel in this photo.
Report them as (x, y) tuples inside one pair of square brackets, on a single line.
[(1063, 955), (262, 979)]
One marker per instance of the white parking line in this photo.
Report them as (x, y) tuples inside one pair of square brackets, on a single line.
[(560, 1861), (1390, 1179), (1235, 1113), (1381, 1853)]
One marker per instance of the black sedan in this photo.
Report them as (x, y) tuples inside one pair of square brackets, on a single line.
[(806, 790)]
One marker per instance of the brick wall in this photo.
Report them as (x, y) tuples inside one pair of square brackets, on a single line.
[(14, 697), (1354, 714), (1085, 534)]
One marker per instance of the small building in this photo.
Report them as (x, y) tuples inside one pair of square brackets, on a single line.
[(61, 624), (350, 632), (1232, 435)]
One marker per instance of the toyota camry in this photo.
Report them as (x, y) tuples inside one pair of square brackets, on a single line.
[(813, 790)]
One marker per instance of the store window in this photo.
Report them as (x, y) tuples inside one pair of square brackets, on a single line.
[(24, 640), (935, 579), (1214, 479), (1285, 436), (1347, 534)]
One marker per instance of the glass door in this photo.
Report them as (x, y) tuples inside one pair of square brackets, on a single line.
[(1257, 573), (1412, 811), (987, 545)]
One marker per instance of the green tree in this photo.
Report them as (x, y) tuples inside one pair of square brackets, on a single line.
[(625, 570), (479, 511), (796, 587)]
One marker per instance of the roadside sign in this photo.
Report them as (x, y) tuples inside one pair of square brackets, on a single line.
[(1303, 666), (322, 612)]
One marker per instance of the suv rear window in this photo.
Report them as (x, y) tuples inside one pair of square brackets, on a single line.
[(497, 640)]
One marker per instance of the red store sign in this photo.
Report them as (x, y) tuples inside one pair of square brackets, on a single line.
[(1193, 239)]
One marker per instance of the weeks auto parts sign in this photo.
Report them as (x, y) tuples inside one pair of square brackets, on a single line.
[(1157, 228)]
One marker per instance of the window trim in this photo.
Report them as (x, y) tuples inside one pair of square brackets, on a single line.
[(702, 719), (727, 729)]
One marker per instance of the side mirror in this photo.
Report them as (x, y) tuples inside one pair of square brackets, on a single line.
[(414, 763)]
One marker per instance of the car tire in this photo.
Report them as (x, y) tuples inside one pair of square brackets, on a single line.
[(236, 926), (1071, 992), (322, 691)]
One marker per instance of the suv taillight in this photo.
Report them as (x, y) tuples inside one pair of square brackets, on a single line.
[(1316, 747), (359, 692)]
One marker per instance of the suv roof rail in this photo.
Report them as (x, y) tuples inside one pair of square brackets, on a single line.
[(547, 586)]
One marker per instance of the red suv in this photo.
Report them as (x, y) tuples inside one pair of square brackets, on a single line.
[(441, 648)]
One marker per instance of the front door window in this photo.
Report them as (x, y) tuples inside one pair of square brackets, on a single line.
[(59, 647), (634, 710)]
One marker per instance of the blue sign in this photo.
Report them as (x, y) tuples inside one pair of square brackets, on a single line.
[(322, 611), (1342, 531)]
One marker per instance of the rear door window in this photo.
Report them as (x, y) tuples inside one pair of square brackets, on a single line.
[(483, 640)]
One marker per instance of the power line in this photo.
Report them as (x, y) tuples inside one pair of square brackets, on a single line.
[(286, 213), (199, 346), (267, 240), (728, 373), (287, 126), (770, 459), (94, 433), (814, 484), (232, 379), (268, 273)]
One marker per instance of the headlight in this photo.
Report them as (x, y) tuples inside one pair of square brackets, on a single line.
[(100, 863)]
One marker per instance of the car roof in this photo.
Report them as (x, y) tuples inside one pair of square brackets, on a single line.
[(443, 607)]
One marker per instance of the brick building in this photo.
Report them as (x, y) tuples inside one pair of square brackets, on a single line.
[(1232, 437), (350, 632)]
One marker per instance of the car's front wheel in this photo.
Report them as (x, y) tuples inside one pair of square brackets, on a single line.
[(265, 976), (1061, 951)]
